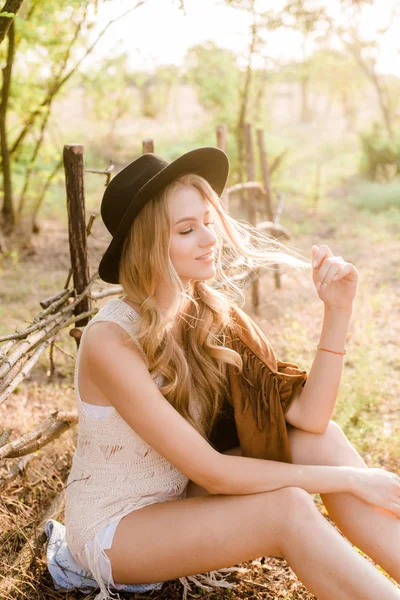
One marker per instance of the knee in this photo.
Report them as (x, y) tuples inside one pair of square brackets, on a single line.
[(333, 430), (295, 498), (337, 450), (334, 435), (299, 516), (296, 507)]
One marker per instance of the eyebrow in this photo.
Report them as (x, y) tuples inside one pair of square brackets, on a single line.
[(190, 218)]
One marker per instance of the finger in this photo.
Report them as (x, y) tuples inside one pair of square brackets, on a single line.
[(396, 509), (320, 274), (322, 252), (346, 269), (334, 269)]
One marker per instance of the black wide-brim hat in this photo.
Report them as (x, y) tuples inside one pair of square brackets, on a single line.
[(128, 192)]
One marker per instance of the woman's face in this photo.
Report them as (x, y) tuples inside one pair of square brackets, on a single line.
[(192, 235)]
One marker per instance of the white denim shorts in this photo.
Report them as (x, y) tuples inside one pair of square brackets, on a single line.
[(105, 537)]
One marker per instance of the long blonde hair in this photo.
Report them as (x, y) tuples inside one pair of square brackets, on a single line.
[(198, 367)]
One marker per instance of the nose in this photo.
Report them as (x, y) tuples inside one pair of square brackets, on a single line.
[(210, 239)]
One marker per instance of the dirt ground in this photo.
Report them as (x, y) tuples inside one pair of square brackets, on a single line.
[(367, 409)]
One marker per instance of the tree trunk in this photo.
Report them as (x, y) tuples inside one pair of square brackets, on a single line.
[(11, 6), (376, 82), (244, 99), (305, 110), (8, 208), (383, 103)]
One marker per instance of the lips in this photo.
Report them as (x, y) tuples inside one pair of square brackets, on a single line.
[(207, 255)]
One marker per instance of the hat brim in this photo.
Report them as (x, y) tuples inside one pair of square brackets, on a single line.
[(210, 163)]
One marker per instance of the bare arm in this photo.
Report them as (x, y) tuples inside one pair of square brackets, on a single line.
[(336, 284), (241, 475), (122, 376), (313, 408)]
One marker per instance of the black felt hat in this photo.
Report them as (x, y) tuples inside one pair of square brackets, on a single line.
[(128, 192)]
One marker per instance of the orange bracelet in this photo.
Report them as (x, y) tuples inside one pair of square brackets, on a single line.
[(332, 351)]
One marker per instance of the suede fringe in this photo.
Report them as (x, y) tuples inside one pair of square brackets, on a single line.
[(267, 391)]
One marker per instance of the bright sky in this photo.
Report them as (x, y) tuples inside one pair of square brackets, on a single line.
[(160, 33)]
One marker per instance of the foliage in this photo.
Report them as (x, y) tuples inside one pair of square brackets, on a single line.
[(375, 197), (214, 71), (51, 41), (380, 159)]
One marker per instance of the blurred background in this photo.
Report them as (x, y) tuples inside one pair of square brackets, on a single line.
[(321, 78)]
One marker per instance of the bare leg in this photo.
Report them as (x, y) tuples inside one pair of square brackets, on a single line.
[(374, 530), (199, 534)]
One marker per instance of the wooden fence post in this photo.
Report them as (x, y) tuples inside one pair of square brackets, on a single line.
[(265, 174), (147, 145), (221, 136), (255, 287), (222, 144), (268, 193), (317, 187), (75, 188)]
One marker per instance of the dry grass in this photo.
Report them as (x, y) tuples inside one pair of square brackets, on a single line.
[(367, 409)]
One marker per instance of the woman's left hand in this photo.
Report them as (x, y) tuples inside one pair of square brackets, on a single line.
[(334, 278)]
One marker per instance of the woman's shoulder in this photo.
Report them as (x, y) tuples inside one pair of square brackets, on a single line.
[(113, 323), (117, 309)]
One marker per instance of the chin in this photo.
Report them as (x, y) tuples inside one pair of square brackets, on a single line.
[(208, 274)]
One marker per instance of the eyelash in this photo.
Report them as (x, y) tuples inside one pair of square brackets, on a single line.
[(190, 230)]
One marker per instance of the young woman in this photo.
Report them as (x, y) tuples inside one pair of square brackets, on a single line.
[(150, 379)]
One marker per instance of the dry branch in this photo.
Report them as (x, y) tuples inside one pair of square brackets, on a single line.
[(11, 385), (247, 185), (4, 437), (47, 301), (15, 470), (50, 429), (19, 372), (51, 308), (66, 309), (107, 292), (30, 342)]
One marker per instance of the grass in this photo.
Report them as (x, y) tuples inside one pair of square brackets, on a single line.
[(377, 198)]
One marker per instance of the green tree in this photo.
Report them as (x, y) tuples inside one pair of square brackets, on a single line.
[(46, 48), (214, 72), (114, 79)]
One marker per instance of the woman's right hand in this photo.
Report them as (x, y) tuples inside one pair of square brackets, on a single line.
[(377, 487)]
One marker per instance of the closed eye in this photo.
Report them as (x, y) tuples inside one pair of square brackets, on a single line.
[(190, 230)]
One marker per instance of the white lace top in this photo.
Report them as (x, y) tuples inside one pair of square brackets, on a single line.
[(114, 471)]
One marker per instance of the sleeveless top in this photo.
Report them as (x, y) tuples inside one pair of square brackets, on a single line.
[(114, 471)]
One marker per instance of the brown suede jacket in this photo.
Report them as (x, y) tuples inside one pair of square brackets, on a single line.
[(256, 401)]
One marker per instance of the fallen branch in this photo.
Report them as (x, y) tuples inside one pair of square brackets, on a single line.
[(20, 371), (51, 308), (15, 470), (47, 301), (65, 309), (4, 437), (50, 429), (105, 293)]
